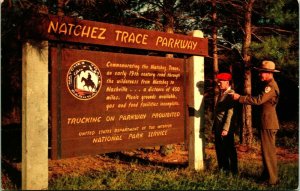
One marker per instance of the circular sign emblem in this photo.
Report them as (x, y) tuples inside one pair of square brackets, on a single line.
[(84, 80)]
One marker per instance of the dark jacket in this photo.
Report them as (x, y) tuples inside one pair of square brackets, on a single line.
[(267, 99), (223, 112)]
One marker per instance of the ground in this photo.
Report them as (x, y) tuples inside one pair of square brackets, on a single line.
[(79, 165), (123, 160)]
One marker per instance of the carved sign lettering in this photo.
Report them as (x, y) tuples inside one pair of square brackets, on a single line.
[(84, 31)]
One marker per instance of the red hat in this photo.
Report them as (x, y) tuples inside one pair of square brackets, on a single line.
[(224, 76)]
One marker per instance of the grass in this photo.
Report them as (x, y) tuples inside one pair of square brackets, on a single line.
[(136, 177), (179, 179)]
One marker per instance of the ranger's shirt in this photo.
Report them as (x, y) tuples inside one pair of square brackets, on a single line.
[(267, 100)]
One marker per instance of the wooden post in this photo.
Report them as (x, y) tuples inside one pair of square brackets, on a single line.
[(196, 102), (35, 116)]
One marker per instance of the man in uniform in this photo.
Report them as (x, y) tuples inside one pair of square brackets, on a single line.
[(222, 126), (267, 100)]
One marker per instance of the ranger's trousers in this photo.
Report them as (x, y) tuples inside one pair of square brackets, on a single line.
[(268, 149)]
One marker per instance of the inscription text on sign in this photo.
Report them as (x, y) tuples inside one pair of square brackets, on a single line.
[(84, 31), (111, 102)]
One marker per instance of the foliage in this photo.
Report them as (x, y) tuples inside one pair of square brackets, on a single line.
[(6, 182), (158, 15), (276, 35), (104, 10), (288, 136), (280, 49), (283, 13), (275, 49), (275, 28)]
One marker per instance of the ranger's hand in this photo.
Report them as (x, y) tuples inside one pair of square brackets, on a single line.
[(235, 96)]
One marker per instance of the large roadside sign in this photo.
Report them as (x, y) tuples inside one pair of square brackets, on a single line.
[(104, 102)]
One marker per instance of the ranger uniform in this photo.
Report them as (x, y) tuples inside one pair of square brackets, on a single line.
[(267, 100)]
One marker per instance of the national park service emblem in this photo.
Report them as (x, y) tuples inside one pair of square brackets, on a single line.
[(84, 80), (267, 89)]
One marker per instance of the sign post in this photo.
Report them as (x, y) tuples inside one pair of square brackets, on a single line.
[(35, 116), (196, 101)]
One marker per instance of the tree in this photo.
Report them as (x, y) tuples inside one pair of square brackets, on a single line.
[(12, 17), (247, 110), (109, 11), (235, 36), (271, 33), (276, 35), (215, 51), (165, 21)]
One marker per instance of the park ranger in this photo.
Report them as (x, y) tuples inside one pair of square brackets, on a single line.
[(267, 100)]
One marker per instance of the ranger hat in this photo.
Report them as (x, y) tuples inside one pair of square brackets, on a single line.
[(267, 66), (224, 76)]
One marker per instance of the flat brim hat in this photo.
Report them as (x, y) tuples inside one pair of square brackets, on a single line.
[(267, 66), (224, 76)]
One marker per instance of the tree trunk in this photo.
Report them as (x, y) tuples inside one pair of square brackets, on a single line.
[(247, 134), (215, 51), (60, 5), (168, 28)]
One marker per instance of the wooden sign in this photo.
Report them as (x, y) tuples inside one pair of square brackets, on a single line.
[(84, 31), (105, 102)]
